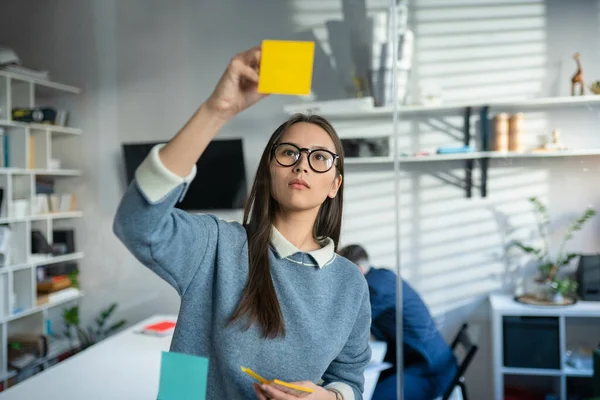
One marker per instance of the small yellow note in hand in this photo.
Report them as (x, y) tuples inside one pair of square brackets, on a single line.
[(286, 67)]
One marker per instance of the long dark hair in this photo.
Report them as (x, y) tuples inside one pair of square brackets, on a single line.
[(259, 301)]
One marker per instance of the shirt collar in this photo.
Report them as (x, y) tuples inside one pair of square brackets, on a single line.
[(285, 249)]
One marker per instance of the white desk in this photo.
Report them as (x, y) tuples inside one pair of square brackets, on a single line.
[(124, 366)]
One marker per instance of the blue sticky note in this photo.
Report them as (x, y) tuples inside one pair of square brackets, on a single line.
[(182, 377)]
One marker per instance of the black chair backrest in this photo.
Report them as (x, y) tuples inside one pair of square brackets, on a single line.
[(470, 348)]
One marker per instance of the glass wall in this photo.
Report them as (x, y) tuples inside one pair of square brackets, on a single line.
[(471, 163), (499, 151)]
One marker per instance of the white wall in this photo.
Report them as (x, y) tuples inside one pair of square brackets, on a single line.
[(145, 65)]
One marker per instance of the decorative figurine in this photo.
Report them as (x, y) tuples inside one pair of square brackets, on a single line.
[(556, 141), (577, 79)]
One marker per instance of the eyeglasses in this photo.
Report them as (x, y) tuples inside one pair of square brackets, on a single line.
[(319, 160)]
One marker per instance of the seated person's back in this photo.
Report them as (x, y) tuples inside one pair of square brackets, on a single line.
[(429, 364)]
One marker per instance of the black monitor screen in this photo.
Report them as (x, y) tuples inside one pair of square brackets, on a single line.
[(220, 182)]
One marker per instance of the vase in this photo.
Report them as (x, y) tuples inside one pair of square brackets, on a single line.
[(540, 290), (558, 298)]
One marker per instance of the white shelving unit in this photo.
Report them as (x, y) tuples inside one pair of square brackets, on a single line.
[(361, 113), (504, 306), (32, 148), (366, 122), (474, 156)]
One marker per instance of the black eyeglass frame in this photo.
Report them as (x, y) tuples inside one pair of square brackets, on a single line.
[(308, 153)]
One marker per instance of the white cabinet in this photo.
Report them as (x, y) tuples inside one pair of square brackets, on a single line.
[(554, 330)]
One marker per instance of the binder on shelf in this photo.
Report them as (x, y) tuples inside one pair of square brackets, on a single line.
[(31, 152), (6, 150)]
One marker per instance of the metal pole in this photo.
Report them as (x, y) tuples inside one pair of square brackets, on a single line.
[(395, 101)]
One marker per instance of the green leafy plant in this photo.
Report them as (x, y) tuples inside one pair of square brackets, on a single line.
[(92, 334), (549, 263), (564, 286), (74, 278)]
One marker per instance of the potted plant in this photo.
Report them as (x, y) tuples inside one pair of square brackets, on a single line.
[(550, 263), (90, 335)]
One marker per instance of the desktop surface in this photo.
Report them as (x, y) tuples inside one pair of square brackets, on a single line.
[(124, 366)]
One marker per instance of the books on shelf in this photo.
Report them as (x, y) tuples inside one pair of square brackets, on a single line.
[(59, 296), (5, 239), (53, 284), (53, 203)]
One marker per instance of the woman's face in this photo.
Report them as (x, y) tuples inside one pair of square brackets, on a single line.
[(299, 187)]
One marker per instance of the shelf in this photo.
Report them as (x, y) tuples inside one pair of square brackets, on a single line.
[(570, 371), (42, 82), (382, 112), (54, 172), (55, 129), (41, 262), (368, 160), (58, 259), (546, 102), (44, 217), (58, 215), (443, 157), (507, 306), (474, 156), (56, 347), (549, 154), (451, 108), (41, 308), (10, 374), (45, 172), (531, 371)]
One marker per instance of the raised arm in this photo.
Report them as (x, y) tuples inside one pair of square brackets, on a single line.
[(171, 242), (235, 92)]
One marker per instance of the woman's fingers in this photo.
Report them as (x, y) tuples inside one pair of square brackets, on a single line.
[(248, 73), (276, 394), (240, 66), (259, 393), (252, 57)]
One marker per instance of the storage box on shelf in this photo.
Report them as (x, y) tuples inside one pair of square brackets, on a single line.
[(535, 341), (38, 164), (359, 119)]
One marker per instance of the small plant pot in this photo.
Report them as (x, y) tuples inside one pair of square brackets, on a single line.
[(558, 298), (538, 289)]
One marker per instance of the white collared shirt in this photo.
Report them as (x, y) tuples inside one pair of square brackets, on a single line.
[(323, 256)]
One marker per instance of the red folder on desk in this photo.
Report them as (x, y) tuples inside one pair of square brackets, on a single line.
[(162, 328)]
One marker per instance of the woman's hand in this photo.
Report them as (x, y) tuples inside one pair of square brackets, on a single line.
[(237, 88), (266, 392)]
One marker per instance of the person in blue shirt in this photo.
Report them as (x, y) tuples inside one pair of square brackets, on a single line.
[(429, 364)]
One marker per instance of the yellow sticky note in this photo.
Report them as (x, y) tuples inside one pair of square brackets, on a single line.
[(286, 67)]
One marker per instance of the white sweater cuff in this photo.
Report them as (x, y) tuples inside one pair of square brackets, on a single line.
[(155, 180), (343, 388)]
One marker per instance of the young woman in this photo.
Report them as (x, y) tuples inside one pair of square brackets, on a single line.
[(271, 294)]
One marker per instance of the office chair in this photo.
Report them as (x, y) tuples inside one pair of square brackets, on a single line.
[(462, 338)]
